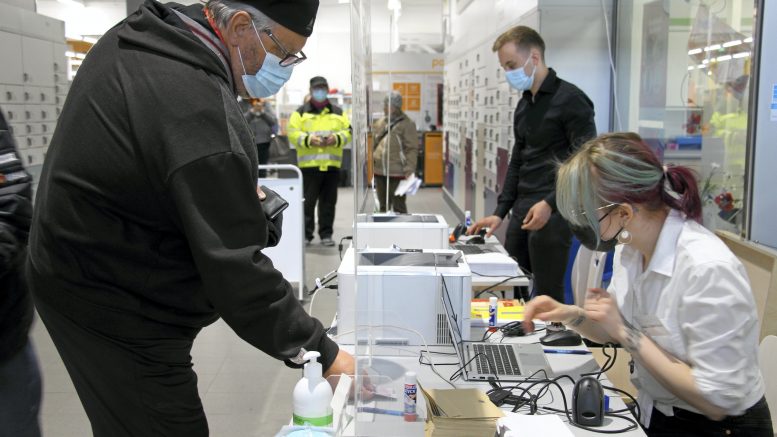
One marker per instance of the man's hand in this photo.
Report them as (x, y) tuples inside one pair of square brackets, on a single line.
[(260, 193), (491, 222), (330, 140), (344, 363), (315, 141), (537, 217), (548, 310), (601, 307)]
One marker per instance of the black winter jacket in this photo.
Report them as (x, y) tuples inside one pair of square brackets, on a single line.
[(15, 216), (147, 203)]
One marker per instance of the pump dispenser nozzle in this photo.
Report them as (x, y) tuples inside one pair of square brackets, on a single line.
[(313, 370)]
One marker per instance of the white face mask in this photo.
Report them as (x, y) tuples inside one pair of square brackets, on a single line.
[(518, 78), (271, 76)]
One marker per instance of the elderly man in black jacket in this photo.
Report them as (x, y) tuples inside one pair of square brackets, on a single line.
[(20, 390), (147, 224)]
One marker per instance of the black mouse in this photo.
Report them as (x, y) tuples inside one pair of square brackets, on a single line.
[(562, 338), (513, 329), (476, 239)]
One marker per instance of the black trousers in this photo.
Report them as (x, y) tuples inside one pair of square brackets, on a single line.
[(263, 152), (544, 252), (133, 376), (756, 422), (320, 187), (396, 203)]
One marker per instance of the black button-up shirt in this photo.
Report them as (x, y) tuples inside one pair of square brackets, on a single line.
[(548, 128)]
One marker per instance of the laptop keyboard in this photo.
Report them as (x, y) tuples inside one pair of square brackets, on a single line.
[(496, 358)]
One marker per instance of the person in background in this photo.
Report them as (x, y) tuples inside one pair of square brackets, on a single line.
[(679, 300), (319, 130), (147, 225), (396, 153), (552, 119), (20, 382), (260, 116)]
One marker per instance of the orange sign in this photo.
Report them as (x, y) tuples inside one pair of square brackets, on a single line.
[(411, 95)]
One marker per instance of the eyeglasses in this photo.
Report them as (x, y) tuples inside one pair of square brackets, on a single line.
[(583, 214), (289, 59)]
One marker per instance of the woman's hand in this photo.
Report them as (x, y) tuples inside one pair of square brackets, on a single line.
[(602, 308), (548, 310)]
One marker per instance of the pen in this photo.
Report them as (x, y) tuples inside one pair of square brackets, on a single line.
[(566, 351), (381, 411)]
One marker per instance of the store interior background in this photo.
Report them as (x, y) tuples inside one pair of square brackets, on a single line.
[(666, 69), (693, 77)]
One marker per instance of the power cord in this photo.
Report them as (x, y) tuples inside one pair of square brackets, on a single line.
[(491, 287), (432, 364), (340, 246)]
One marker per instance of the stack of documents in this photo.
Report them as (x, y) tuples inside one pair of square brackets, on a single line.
[(408, 186), (460, 413)]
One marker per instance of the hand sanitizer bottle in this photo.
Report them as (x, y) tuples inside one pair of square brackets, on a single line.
[(467, 219), (313, 395)]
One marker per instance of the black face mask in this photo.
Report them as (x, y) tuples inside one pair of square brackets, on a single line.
[(588, 239)]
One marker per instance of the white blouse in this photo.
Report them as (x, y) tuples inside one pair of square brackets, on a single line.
[(694, 301)]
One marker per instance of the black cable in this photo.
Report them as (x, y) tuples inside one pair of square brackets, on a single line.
[(491, 287), (607, 364), (323, 284), (340, 246), (632, 426)]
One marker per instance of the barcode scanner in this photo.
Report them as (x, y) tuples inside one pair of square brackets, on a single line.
[(588, 402)]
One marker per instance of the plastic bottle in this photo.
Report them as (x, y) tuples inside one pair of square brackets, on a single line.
[(492, 309), (411, 397), (313, 395), (467, 219)]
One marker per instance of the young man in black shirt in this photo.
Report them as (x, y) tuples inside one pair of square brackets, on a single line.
[(552, 119)]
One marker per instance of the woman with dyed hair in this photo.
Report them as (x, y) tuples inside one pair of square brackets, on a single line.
[(679, 301)]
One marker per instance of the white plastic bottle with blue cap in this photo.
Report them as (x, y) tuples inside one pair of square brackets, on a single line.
[(313, 395)]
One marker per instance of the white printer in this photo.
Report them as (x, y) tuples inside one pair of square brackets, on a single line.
[(408, 231), (401, 288)]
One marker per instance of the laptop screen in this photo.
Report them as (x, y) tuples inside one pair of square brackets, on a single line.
[(450, 312)]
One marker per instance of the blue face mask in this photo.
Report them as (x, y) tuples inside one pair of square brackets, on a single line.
[(518, 79), (319, 95), (269, 79)]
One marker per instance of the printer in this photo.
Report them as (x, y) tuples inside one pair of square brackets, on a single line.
[(379, 287), (407, 231)]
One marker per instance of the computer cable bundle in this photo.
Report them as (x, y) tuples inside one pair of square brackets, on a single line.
[(321, 285), (502, 395)]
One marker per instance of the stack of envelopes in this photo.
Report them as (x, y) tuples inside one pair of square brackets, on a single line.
[(460, 413)]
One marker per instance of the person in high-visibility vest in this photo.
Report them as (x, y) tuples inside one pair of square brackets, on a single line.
[(319, 130)]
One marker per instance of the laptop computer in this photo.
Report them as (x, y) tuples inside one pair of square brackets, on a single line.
[(480, 361)]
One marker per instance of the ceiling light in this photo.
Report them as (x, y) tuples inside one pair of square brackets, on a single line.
[(749, 39), (89, 39), (691, 67), (712, 47), (724, 58), (701, 66), (736, 42), (741, 55), (694, 51)]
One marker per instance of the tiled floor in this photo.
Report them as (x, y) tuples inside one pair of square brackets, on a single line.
[(244, 392)]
